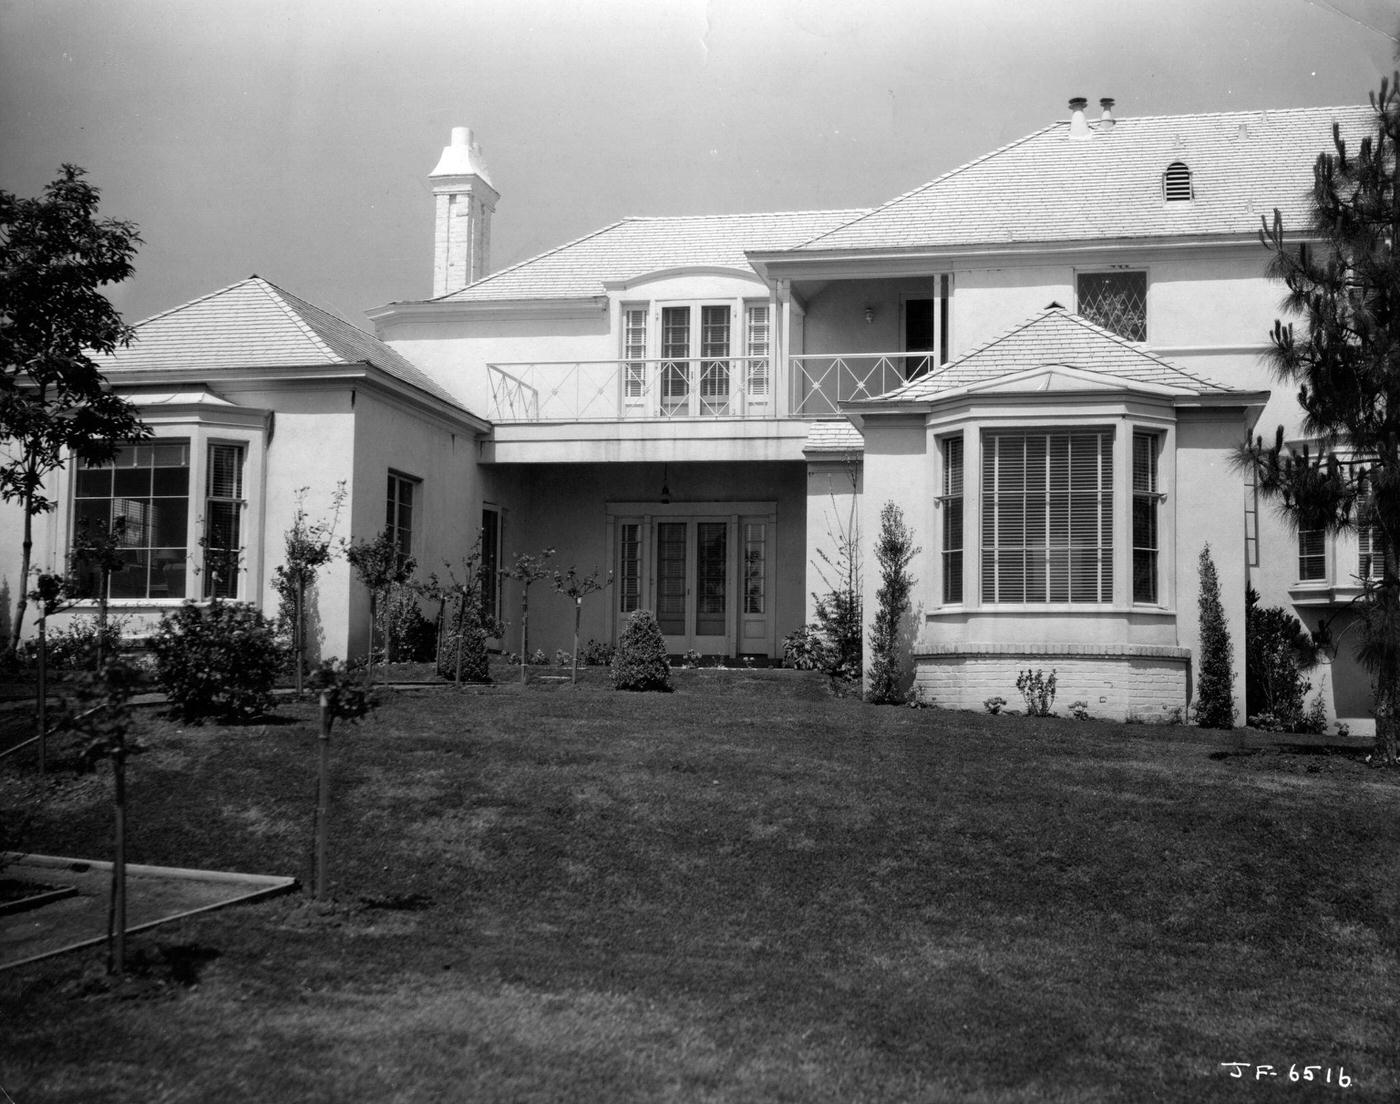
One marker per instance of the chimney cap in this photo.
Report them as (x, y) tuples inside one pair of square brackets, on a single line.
[(1106, 102), (1078, 103), (462, 157)]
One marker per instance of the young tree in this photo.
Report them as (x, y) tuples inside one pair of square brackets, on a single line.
[(1215, 702), (308, 548), (528, 568), (55, 255), (1344, 284), (893, 551), (96, 557), (100, 712), (381, 567), (341, 698), (839, 612), (51, 594), (578, 587)]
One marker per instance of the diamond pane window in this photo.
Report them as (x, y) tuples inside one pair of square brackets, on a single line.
[(1117, 301)]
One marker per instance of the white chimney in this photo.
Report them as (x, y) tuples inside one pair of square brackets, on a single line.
[(1078, 125), (465, 202)]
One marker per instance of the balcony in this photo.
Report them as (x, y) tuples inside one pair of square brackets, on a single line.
[(808, 388)]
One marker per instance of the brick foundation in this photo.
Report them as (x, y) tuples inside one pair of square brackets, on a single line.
[(1119, 682)]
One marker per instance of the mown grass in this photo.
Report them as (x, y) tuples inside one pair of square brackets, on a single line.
[(746, 890)]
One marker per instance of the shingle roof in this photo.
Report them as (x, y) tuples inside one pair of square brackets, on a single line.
[(1053, 337), (255, 324), (833, 437), (636, 246), (1049, 187)]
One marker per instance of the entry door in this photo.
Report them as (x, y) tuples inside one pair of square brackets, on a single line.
[(694, 585)]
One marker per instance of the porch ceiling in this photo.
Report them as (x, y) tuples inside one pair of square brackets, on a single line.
[(670, 440)]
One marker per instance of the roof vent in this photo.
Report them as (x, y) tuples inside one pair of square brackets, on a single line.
[(1106, 120), (1176, 183), (1078, 125)]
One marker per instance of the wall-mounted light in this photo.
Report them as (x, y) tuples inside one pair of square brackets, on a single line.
[(869, 315)]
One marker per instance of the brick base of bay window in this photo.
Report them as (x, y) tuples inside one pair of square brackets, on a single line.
[(1119, 682)]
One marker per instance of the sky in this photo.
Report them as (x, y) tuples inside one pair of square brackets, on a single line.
[(293, 138)]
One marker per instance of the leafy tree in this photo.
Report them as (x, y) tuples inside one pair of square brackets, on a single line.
[(51, 594), (381, 567), (578, 587), (1277, 650), (1344, 358), (893, 551), (1215, 703), (528, 568), (462, 643), (308, 548), (55, 256)]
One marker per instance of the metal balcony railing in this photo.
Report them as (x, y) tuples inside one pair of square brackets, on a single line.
[(808, 387)]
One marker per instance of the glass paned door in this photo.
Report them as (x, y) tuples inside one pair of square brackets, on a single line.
[(711, 577), (671, 577), (675, 361)]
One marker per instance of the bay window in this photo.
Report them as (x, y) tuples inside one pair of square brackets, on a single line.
[(1047, 516), (952, 520), (1145, 500)]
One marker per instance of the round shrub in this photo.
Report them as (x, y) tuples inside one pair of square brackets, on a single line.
[(640, 660), (475, 665), (218, 660)]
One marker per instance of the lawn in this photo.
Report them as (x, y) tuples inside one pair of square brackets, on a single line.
[(743, 891)]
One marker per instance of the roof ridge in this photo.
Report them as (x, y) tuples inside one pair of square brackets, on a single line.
[(869, 212), (529, 260), (280, 297), (749, 214), (197, 299), (1230, 114)]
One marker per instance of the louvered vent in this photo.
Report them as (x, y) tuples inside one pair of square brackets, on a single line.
[(1176, 183)]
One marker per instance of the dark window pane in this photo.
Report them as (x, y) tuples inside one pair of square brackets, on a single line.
[(93, 483), (132, 483), (172, 481)]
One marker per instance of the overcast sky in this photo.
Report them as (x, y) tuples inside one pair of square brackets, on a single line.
[(293, 139)]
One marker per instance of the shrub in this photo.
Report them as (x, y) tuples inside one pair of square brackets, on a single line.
[(594, 654), (1215, 703), (74, 647), (1314, 718), (1079, 710), (640, 662), (691, 659), (538, 658), (994, 705), (893, 551), (563, 658), (218, 660), (804, 649), (1038, 691), (1276, 651), (472, 640)]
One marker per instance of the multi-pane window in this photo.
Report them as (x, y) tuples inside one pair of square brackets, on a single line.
[(953, 520), (1047, 516), (1312, 555), (711, 564), (757, 342), (223, 521), (1117, 301), (398, 512), (755, 571), (1145, 499), (629, 566), (490, 562), (634, 351), (1370, 538), (142, 499)]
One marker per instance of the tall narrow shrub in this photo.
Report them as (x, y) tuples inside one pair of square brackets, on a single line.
[(1215, 702), (893, 551)]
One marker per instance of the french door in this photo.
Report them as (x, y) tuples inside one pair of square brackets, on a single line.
[(695, 359), (705, 576)]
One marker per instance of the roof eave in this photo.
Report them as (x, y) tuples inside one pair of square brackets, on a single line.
[(454, 310)]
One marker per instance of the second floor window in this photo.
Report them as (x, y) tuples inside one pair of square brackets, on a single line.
[(1117, 301)]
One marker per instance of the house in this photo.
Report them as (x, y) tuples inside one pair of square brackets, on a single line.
[(1045, 357)]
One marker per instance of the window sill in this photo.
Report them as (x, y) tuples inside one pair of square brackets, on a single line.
[(1058, 609), (1324, 594)]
